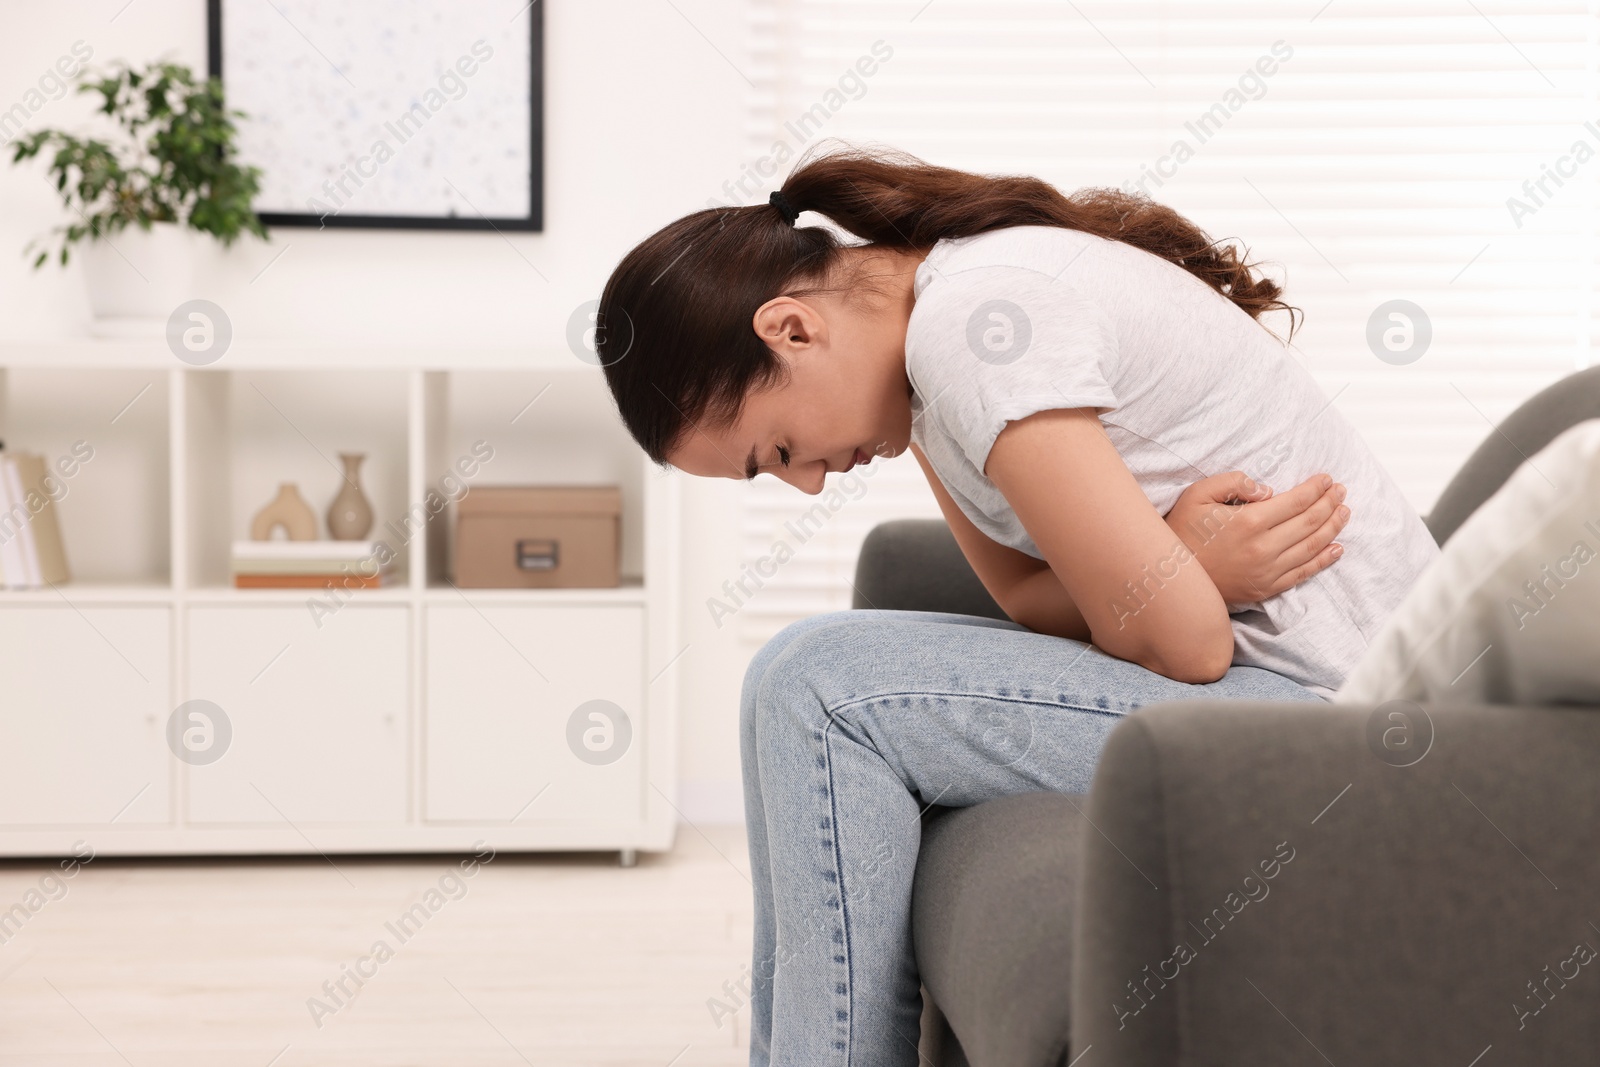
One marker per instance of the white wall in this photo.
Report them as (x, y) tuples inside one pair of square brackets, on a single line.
[(644, 121)]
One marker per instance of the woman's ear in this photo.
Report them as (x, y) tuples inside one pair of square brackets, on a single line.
[(787, 325)]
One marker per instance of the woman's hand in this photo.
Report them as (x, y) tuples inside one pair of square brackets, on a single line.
[(1255, 545)]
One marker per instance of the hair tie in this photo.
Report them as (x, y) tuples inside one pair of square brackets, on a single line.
[(781, 202)]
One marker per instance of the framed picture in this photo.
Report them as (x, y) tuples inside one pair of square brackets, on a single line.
[(406, 114)]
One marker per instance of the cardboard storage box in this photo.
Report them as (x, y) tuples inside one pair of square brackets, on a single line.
[(526, 536)]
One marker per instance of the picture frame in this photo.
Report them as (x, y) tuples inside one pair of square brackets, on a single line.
[(387, 114)]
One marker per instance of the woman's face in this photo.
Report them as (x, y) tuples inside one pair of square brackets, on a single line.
[(847, 399)]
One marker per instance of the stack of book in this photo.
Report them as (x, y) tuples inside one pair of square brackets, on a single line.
[(31, 555), (310, 564)]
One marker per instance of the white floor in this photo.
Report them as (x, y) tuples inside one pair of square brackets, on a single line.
[(540, 960)]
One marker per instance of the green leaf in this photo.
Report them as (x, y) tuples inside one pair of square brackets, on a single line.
[(173, 161)]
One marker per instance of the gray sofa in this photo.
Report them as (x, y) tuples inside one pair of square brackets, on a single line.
[(1445, 912)]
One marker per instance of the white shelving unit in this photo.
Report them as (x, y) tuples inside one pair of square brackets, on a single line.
[(414, 717)]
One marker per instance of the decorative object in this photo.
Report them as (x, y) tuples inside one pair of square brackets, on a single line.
[(350, 515), (171, 171), (420, 114), (289, 510), (527, 536)]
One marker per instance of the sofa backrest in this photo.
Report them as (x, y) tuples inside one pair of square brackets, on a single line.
[(1525, 431)]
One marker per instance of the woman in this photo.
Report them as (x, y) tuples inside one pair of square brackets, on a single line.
[(1085, 384)]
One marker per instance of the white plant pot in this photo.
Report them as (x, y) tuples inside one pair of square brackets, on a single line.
[(138, 277)]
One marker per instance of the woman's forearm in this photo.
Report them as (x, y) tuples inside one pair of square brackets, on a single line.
[(1041, 604)]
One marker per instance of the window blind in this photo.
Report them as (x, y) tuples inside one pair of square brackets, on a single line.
[(1438, 152)]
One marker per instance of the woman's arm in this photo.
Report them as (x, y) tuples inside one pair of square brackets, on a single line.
[(1252, 543), (1043, 606), (1141, 591), (1025, 588)]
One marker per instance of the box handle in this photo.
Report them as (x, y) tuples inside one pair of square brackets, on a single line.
[(537, 554)]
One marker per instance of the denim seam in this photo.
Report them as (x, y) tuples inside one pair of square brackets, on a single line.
[(831, 711), (838, 885)]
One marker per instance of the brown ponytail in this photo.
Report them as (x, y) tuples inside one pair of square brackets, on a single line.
[(675, 335)]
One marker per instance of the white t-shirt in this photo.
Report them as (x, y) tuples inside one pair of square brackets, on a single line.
[(1030, 318)]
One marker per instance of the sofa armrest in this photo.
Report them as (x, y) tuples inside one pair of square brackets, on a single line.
[(1264, 884), (916, 565)]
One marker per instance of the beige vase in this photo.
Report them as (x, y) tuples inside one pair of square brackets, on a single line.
[(350, 515), (289, 510)]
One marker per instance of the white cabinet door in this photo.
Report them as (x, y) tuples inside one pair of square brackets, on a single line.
[(84, 699), (317, 714), (503, 686)]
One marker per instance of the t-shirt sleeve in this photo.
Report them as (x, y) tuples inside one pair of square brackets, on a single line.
[(988, 345)]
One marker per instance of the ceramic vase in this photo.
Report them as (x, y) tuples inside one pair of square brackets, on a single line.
[(350, 515), (289, 510)]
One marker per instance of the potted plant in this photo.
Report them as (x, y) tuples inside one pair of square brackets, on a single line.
[(138, 202)]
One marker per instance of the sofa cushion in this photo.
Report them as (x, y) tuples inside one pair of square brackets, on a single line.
[(992, 912), (1510, 611)]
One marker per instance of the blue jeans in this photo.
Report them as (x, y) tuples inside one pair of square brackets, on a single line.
[(852, 723)]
